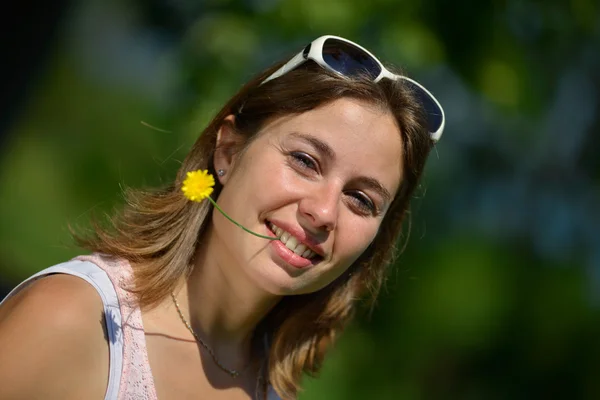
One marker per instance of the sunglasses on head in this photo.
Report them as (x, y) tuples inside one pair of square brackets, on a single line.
[(350, 59)]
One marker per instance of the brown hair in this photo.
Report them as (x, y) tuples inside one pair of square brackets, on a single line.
[(159, 230)]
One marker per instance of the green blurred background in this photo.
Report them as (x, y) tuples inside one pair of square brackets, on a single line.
[(497, 295)]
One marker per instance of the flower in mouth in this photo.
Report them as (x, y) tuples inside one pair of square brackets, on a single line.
[(198, 185), (292, 243)]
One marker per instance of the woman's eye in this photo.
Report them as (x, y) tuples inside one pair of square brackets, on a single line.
[(363, 203), (303, 160)]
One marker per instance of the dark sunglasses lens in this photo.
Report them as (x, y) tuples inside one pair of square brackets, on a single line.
[(434, 113), (349, 60)]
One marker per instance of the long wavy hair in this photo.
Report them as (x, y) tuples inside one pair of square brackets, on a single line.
[(158, 230)]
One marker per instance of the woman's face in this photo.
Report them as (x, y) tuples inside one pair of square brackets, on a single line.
[(321, 181)]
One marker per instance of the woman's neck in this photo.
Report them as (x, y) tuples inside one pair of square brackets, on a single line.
[(223, 305)]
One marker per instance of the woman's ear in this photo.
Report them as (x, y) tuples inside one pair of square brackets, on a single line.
[(229, 143)]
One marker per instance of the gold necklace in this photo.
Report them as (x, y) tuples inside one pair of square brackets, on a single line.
[(232, 372)]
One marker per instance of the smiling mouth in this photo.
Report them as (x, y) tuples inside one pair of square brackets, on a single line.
[(292, 243)]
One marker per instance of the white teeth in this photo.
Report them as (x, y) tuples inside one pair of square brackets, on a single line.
[(292, 243), (300, 249)]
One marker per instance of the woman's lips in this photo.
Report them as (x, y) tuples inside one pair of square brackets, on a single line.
[(285, 231), (288, 255)]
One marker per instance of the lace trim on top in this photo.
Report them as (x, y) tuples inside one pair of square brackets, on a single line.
[(136, 379)]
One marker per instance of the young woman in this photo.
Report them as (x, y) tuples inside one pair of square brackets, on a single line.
[(320, 156)]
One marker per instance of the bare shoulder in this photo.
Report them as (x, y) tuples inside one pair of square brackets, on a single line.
[(53, 342)]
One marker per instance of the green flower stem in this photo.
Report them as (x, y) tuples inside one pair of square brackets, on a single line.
[(237, 223)]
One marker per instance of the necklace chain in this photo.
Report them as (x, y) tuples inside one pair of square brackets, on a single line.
[(232, 372)]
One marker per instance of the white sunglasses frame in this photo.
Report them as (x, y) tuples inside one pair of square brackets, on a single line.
[(315, 53)]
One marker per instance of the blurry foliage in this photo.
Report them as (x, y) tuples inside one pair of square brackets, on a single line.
[(496, 294)]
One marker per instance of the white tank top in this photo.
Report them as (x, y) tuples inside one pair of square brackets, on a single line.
[(129, 376)]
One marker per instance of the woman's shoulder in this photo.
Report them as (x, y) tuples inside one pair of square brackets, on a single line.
[(60, 301), (53, 340)]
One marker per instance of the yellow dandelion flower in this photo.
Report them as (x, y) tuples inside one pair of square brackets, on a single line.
[(198, 185)]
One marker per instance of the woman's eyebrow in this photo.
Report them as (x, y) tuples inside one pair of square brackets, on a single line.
[(318, 144), (376, 186)]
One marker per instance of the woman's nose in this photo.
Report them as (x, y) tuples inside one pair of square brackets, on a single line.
[(320, 207)]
